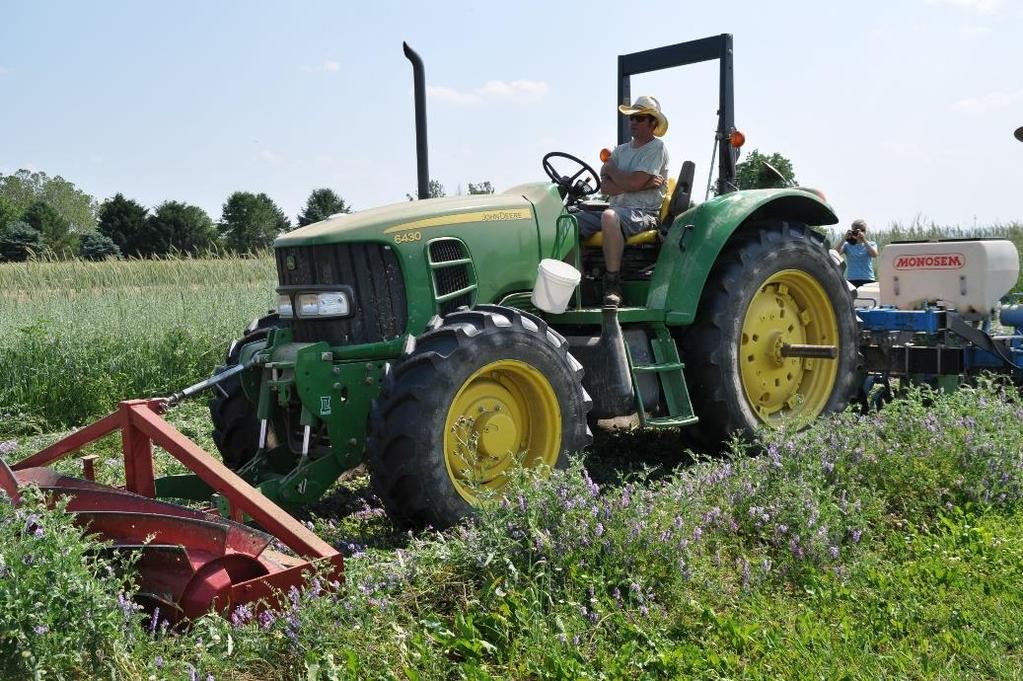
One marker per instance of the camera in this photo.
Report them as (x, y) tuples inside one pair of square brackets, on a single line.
[(851, 236)]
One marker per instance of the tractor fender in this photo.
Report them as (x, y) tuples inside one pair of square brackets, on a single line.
[(697, 237)]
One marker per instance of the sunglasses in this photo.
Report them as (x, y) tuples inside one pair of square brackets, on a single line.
[(639, 118)]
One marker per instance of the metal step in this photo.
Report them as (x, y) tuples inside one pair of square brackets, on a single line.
[(668, 368)]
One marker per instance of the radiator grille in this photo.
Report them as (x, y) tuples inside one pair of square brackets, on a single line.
[(379, 307)]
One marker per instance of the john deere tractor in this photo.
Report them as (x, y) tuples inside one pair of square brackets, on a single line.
[(406, 336)]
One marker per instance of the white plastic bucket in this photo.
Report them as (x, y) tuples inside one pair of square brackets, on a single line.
[(555, 283)]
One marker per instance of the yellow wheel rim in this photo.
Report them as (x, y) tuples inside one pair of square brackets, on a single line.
[(506, 412), (791, 307)]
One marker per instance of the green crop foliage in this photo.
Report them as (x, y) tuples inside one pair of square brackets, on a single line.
[(866, 547), (76, 337)]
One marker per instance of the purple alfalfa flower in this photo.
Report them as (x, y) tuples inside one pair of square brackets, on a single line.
[(522, 503), (38, 533), (158, 662), (697, 533), (31, 522), (126, 605), (644, 611), (193, 673), (834, 551), (765, 565), (576, 640), (292, 626), (745, 572), (617, 594), (209, 677), (267, 619), (8, 446), (40, 629), (775, 455), (154, 620), (241, 616), (796, 548), (856, 536), (782, 528), (599, 530), (626, 496)]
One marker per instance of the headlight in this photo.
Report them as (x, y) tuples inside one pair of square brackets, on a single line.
[(331, 304), (284, 309)]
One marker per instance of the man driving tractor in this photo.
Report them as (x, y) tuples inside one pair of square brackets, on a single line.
[(635, 177)]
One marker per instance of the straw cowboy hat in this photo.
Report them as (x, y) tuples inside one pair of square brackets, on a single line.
[(645, 104)]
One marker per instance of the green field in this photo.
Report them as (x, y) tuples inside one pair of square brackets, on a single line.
[(879, 546), (76, 337)]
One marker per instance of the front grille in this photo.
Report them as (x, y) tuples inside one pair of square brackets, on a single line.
[(379, 307)]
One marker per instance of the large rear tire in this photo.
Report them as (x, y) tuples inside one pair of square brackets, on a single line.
[(235, 426), (770, 286), (480, 391)]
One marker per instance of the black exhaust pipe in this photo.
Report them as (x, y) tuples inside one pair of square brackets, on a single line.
[(419, 89)]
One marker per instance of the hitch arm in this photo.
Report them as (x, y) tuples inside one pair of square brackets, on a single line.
[(211, 381)]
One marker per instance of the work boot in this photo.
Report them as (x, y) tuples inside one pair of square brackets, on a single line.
[(612, 289)]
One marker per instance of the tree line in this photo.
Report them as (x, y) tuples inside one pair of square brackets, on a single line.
[(50, 217), (43, 216)]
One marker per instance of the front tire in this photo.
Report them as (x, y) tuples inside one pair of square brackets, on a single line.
[(769, 287), (479, 392), (235, 426)]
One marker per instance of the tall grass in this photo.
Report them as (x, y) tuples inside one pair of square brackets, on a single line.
[(76, 337)]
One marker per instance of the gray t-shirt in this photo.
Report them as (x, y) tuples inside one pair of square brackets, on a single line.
[(651, 158)]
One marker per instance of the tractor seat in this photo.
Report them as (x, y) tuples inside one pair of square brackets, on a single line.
[(676, 202)]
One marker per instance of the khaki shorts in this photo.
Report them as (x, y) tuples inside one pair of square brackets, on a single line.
[(632, 220)]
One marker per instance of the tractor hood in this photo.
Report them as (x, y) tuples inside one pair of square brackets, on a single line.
[(381, 223)]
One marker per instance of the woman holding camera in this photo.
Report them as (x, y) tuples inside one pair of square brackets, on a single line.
[(859, 254)]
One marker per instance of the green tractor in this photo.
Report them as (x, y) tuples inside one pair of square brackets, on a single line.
[(406, 337)]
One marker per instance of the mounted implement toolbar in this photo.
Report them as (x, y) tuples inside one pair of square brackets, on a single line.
[(189, 561)]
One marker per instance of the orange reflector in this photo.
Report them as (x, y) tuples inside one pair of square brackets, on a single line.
[(605, 155), (737, 139)]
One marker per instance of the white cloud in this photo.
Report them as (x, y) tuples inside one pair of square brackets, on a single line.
[(492, 90), (992, 100), (982, 6), (974, 31), (452, 95), (328, 66), (517, 89), (4, 71), (882, 32)]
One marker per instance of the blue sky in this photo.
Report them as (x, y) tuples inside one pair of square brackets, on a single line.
[(896, 110)]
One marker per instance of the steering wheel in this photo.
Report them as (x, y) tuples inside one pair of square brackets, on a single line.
[(577, 185)]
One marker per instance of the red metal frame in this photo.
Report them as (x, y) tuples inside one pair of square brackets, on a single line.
[(223, 581)]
